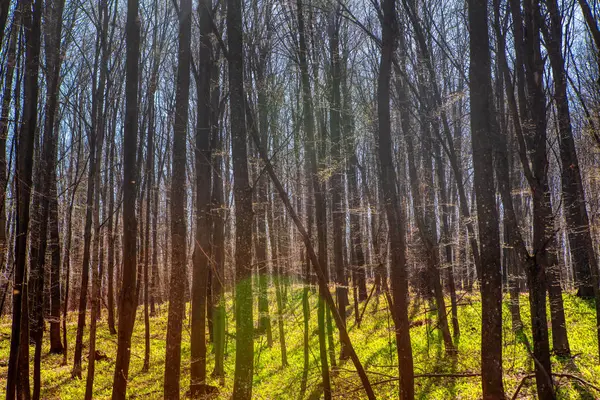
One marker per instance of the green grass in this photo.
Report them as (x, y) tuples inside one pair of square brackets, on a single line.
[(374, 342)]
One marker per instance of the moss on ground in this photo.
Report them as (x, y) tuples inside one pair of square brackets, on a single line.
[(374, 342)]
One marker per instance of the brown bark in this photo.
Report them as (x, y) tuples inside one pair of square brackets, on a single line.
[(96, 131), (394, 211), (529, 70), (127, 297), (425, 213), (53, 63), (263, 48), (178, 194), (337, 186), (244, 354), (580, 240), (110, 259), (23, 181), (318, 193), (482, 135), (203, 203), (96, 245), (218, 236), (41, 201), (7, 94)]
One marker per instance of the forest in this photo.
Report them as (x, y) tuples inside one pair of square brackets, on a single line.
[(300, 199)]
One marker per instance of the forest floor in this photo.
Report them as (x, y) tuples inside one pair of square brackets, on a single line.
[(374, 342)]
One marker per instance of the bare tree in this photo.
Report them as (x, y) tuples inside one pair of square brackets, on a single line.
[(391, 200), (178, 225), (31, 14), (128, 294), (482, 134)]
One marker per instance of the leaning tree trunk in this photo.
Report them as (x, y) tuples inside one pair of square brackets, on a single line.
[(580, 240)]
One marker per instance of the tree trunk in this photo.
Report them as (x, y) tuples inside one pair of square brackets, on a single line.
[(319, 199), (482, 133), (279, 255), (244, 354), (264, 319), (41, 200), (218, 251), (337, 185), (23, 180), (178, 194), (111, 231), (7, 94), (96, 132), (425, 213), (203, 204), (394, 211), (529, 67), (580, 241), (127, 297), (53, 63)]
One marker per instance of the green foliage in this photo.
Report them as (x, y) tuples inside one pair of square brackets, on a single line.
[(374, 341)]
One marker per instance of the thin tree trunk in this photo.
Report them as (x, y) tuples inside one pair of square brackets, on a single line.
[(337, 186), (111, 229), (279, 254), (97, 247), (218, 251), (203, 205), (95, 133), (321, 217), (321, 277), (425, 214)]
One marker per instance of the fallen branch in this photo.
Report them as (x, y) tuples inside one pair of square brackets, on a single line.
[(558, 375), (365, 307), (514, 396), (579, 379), (455, 375)]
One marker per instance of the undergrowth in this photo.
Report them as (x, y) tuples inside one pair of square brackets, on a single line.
[(374, 342)]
